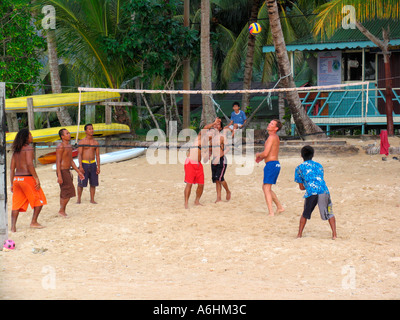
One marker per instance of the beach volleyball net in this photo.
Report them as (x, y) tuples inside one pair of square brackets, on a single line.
[(331, 107)]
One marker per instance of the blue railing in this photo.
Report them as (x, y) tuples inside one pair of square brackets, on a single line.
[(346, 107)]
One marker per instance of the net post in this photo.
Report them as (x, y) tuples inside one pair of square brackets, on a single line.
[(366, 103), (3, 166), (79, 116), (108, 120)]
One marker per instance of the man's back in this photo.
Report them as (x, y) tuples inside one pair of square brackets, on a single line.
[(311, 175), (22, 159)]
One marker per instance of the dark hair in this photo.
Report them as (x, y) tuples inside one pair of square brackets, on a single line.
[(307, 153), (87, 125), (61, 132), (236, 104), (222, 125), (278, 123), (21, 139)]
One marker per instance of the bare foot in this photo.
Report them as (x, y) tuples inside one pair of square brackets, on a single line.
[(279, 210), (228, 196), (62, 214), (93, 202), (218, 200), (198, 204), (78, 201), (36, 226)]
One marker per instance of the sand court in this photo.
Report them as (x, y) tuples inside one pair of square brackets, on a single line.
[(139, 242)]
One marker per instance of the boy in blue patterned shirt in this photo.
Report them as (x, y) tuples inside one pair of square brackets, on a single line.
[(310, 177)]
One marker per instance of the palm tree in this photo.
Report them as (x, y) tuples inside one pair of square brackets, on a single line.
[(80, 25), (208, 113), (330, 18), (305, 126), (248, 65), (295, 25), (63, 116)]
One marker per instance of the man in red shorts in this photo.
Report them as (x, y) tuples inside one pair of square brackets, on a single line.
[(194, 173), (25, 182)]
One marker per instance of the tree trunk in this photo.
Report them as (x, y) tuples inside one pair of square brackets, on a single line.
[(281, 107), (248, 64), (63, 115), (208, 114), (383, 45), (306, 128)]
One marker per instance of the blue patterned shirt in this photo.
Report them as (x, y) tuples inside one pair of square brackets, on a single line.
[(311, 175)]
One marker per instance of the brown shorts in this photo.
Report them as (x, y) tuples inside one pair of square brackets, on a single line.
[(67, 189)]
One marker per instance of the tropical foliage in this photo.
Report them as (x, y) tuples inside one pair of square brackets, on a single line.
[(142, 43), (21, 49)]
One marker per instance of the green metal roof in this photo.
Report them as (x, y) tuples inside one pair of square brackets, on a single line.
[(346, 38)]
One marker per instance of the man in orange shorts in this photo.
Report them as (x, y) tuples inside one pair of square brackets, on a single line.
[(25, 182)]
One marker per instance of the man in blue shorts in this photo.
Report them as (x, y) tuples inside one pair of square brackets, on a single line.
[(310, 177), (89, 163), (272, 165)]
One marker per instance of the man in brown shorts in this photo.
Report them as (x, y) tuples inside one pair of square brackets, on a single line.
[(64, 162)]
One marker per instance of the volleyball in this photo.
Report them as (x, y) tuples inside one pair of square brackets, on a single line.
[(255, 28), (9, 244)]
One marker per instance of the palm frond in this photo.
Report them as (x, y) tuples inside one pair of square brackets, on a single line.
[(329, 16)]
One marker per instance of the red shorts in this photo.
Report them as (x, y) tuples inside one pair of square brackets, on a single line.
[(24, 194), (194, 173)]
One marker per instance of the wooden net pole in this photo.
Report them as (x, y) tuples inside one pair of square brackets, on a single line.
[(3, 166)]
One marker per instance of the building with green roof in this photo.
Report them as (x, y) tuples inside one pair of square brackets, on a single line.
[(349, 57)]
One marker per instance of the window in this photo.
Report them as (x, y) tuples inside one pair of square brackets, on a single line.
[(352, 66), (370, 66)]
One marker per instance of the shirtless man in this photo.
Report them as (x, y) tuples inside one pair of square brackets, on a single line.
[(89, 163), (219, 162), (194, 173), (25, 182), (64, 162), (272, 165)]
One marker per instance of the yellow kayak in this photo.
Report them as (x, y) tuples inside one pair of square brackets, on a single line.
[(51, 134), (59, 100)]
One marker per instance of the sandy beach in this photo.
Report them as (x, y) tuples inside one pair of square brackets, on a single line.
[(139, 242)]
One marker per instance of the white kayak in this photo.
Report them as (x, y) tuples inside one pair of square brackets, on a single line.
[(116, 156)]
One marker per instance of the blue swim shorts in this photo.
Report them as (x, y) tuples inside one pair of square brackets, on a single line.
[(90, 175), (271, 172)]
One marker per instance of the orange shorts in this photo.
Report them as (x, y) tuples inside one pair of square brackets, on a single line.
[(194, 173), (24, 194)]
